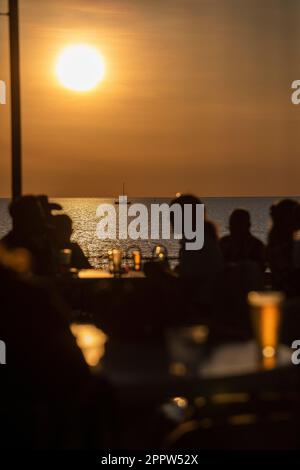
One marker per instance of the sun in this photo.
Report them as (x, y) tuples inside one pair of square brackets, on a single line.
[(80, 67)]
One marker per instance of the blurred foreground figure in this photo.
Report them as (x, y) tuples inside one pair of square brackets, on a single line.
[(48, 398), (241, 245)]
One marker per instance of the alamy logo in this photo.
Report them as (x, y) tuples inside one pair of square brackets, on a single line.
[(2, 353), (187, 222), (2, 92), (296, 354)]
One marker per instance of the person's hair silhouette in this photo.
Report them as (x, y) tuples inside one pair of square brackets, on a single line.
[(239, 223)]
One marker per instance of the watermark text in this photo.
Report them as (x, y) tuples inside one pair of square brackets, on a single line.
[(2, 92), (138, 222)]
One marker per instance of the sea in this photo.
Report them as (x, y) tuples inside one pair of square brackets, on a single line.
[(83, 213)]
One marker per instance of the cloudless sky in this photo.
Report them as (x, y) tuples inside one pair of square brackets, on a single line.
[(196, 98)]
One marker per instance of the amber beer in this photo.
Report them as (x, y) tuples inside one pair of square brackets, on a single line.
[(65, 258), (137, 260), (266, 318), (117, 256)]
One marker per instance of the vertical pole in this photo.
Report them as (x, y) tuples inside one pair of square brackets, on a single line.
[(15, 98)]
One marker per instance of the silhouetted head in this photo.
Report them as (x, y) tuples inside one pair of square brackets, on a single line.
[(239, 223), (47, 206), (183, 200), (187, 199), (27, 215), (285, 216), (63, 229)]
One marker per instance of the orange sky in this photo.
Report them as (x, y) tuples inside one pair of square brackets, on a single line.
[(196, 98)]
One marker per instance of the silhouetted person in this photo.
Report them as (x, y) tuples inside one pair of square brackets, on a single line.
[(231, 320), (244, 256), (202, 265), (241, 245), (63, 230), (32, 230), (280, 249), (208, 260)]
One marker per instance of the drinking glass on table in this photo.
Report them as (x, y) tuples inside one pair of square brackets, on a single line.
[(65, 257), (160, 253), (266, 318), (135, 254), (110, 261), (117, 256), (137, 259)]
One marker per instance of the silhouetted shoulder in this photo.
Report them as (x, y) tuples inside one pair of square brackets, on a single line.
[(210, 230), (225, 240), (79, 259)]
